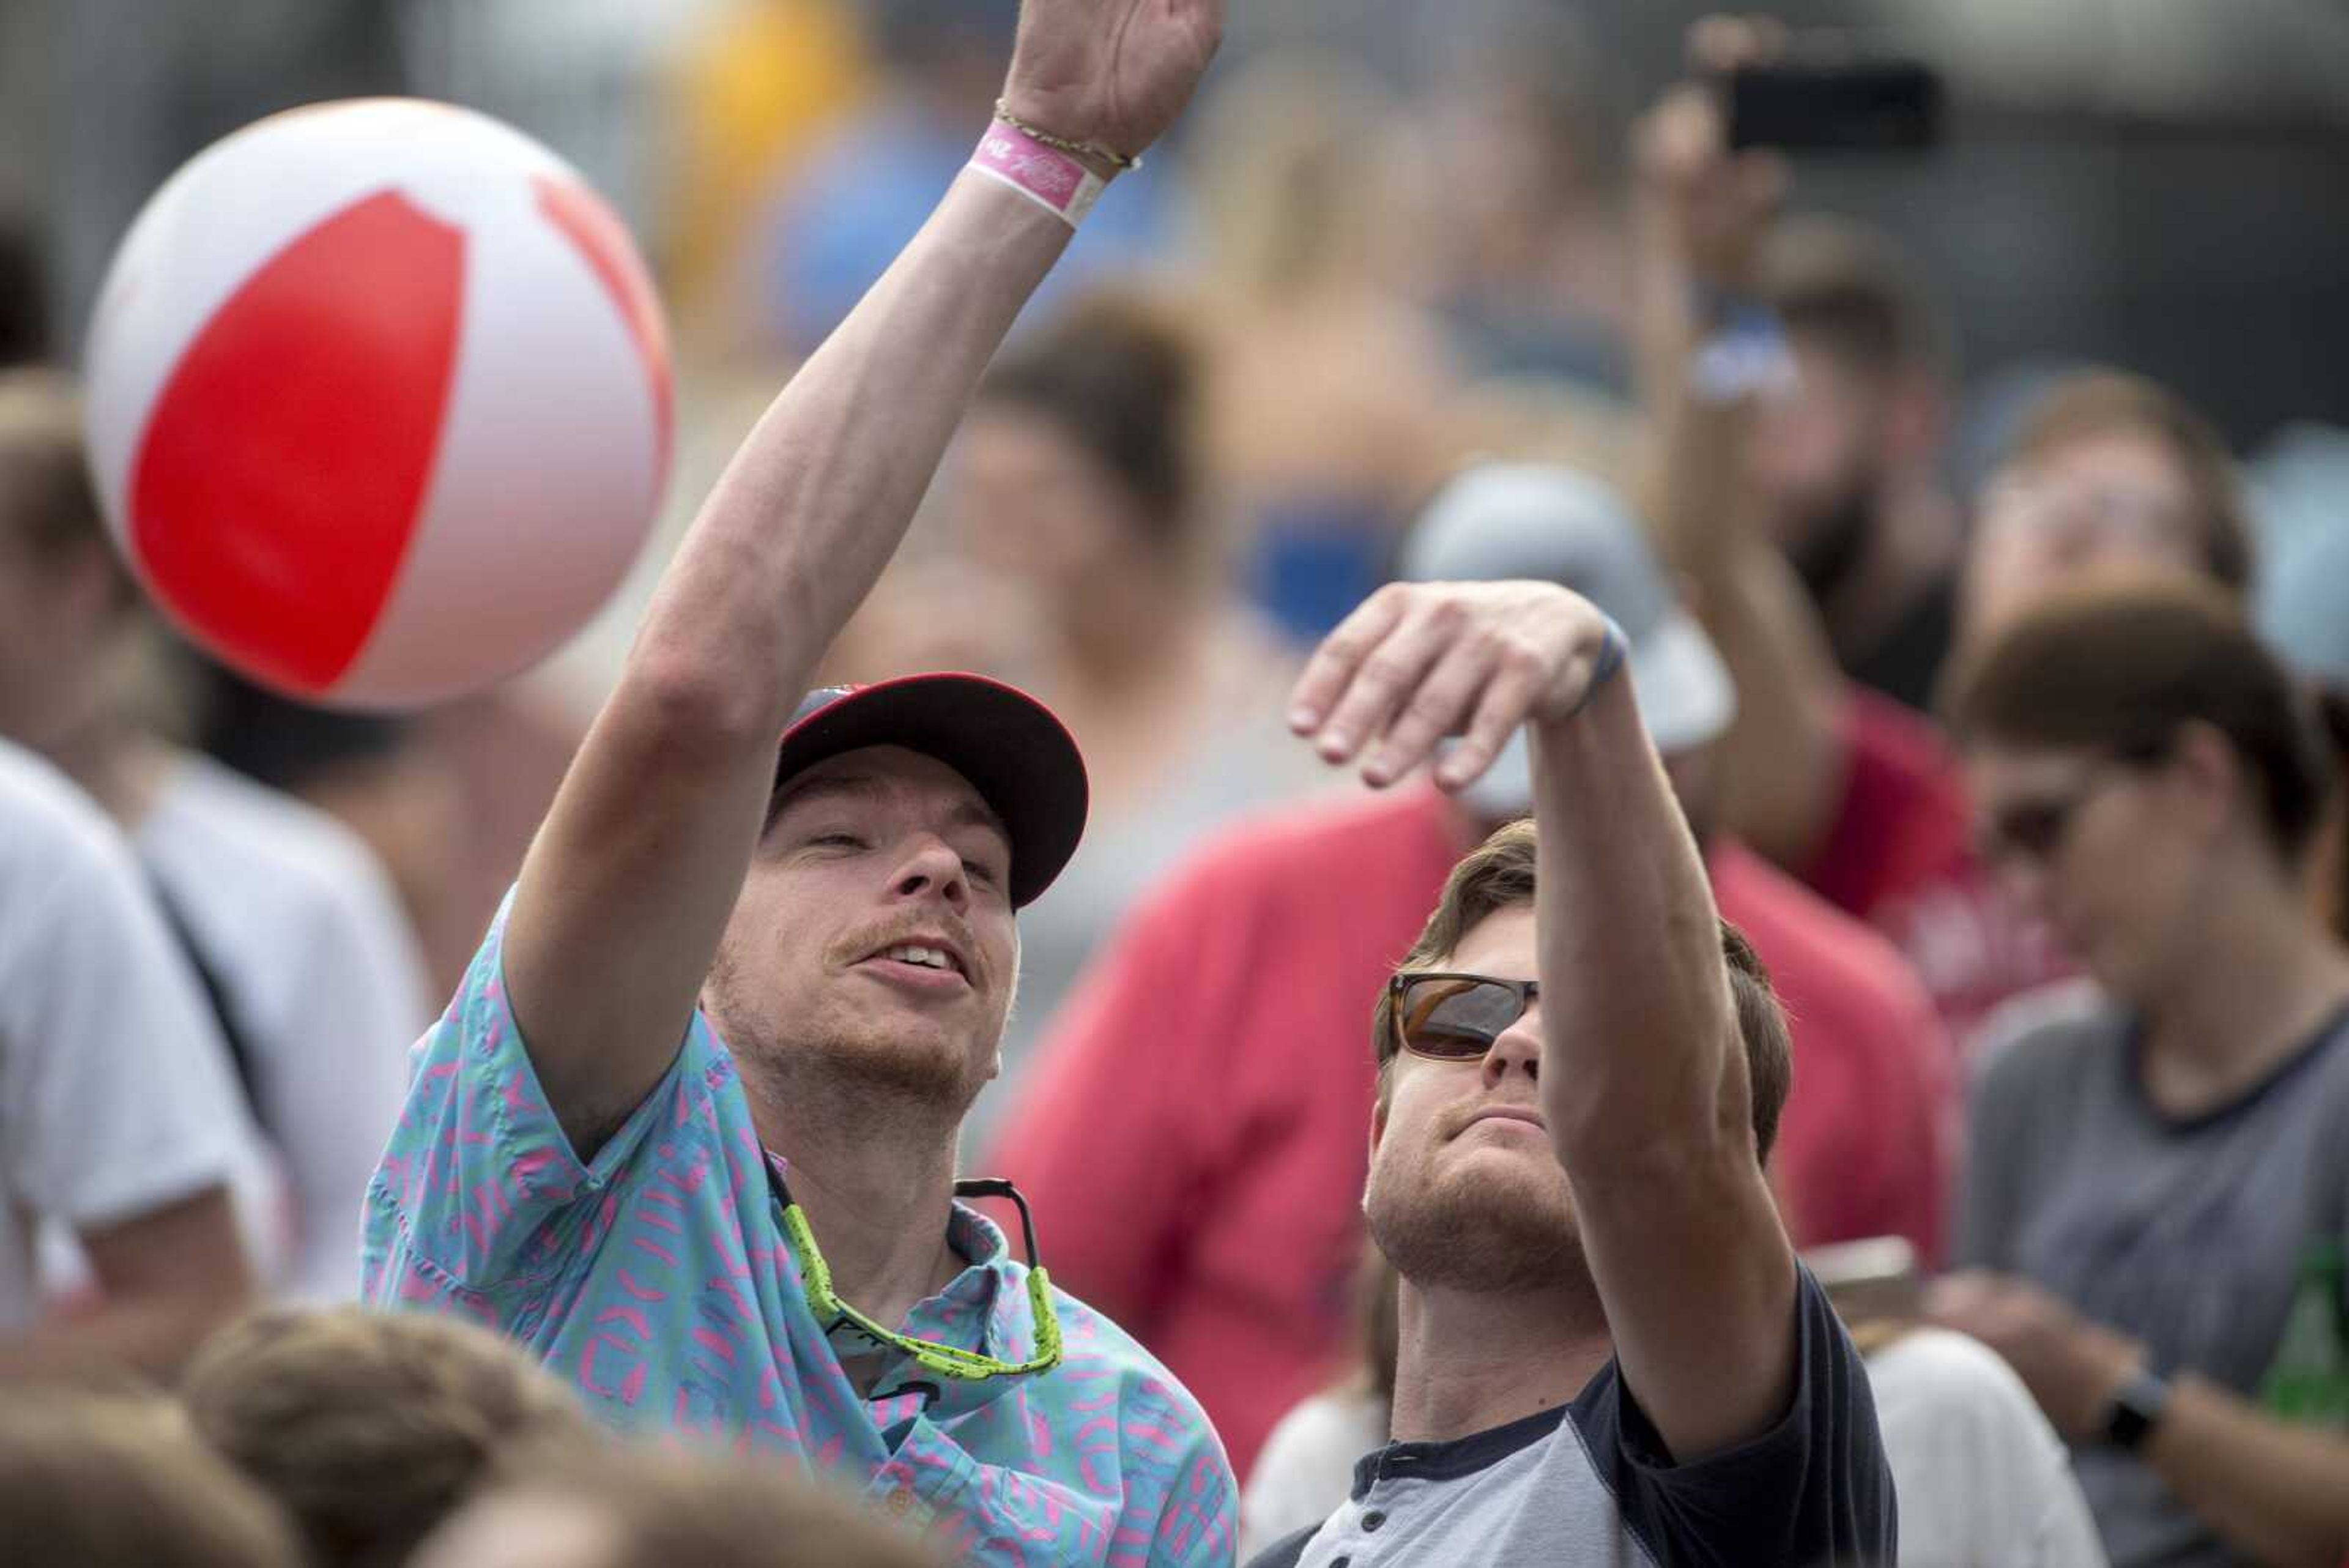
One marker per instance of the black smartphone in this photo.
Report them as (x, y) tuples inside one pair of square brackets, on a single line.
[(1836, 102)]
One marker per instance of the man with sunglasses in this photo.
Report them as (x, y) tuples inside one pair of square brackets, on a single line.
[(1251, 967), (1607, 1350), (688, 1131)]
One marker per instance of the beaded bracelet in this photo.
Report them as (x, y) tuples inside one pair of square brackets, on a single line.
[(1115, 160)]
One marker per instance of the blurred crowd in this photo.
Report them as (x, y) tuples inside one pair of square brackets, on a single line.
[(2006, 703)]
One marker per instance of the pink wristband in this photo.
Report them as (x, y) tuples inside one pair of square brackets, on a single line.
[(1045, 175)]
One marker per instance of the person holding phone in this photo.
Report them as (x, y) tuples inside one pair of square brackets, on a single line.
[(1760, 395)]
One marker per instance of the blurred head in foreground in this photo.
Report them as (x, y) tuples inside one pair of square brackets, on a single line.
[(117, 1482), (650, 1509), (370, 1428)]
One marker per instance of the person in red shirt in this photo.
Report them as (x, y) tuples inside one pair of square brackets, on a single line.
[(1193, 1131)]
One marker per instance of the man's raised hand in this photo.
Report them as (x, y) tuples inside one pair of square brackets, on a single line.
[(1418, 661), (1113, 73), (1704, 205)]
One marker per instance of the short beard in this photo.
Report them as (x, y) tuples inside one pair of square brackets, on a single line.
[(1837, 544), (844, 1074), (1453, 1234), (925, 1075)]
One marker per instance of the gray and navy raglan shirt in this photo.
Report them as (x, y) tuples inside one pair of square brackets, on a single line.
[(1591, 1483)]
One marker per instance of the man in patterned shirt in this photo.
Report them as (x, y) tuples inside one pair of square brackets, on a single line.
[(688, 1130)]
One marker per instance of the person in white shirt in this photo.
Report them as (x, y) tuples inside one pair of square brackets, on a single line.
[(118, 1117), (1982, 1479), (309, 965)]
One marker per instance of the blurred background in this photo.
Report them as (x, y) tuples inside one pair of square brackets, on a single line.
[(1390, 238), (1394, 236), (2119, 175)]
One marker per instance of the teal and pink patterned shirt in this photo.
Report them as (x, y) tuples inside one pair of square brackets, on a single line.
[(656, 1280)]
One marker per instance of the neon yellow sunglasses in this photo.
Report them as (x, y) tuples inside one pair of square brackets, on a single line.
[(946, 1360)]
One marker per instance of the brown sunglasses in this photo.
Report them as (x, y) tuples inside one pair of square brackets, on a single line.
[(1448, 1016)]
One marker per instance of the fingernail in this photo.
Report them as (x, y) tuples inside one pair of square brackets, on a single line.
[(1336, 743), (1302, 717)]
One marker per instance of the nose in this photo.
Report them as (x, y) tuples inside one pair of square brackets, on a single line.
[(1519, 1049), (932, 867)]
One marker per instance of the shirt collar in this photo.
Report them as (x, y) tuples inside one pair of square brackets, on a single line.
[(984, 1307)]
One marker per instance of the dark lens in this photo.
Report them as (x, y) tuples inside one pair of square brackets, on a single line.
[(1457, 1020)]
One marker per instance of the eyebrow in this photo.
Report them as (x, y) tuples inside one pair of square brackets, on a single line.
[(970, 812)]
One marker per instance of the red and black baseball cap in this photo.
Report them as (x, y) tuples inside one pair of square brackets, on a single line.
[(1015, 751)]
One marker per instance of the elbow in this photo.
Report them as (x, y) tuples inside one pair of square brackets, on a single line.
[(688, 703)]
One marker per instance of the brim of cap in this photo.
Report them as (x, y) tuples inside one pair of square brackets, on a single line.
[(1015, 751)]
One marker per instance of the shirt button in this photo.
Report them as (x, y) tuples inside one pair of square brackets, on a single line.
[(1373, 1519), (899, 1500)]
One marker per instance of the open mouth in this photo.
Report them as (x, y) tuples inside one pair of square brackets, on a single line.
[(934, 957)]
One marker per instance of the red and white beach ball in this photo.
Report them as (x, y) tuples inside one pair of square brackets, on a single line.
[(378, 400)]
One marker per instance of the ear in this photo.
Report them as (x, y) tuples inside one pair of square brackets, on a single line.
[(1378, 1125)]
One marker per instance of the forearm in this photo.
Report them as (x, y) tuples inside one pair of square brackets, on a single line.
[(1638, 1009), (1692, 448), (2278, 1491), (806, 515), (1646, 1093), (1784, 748), (1783, 755)]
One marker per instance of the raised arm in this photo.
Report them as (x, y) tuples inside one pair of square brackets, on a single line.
[(1700, 216), (626, 891), (1643, 1081)]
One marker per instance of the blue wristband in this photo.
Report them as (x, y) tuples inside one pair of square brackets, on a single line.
[(1613, 645)]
